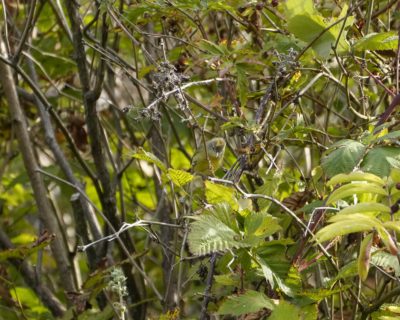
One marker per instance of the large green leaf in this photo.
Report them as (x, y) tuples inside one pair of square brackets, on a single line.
[(249, 302), (348, 224), (365, 207), (218, 193), (285, 310), (258, 225), (272, 277), (378, 41), (350, 189), (380, 160), (355, 176), (308, 25), (214, 231), (342, 157)]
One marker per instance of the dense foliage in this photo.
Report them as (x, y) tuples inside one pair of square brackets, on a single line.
[(103, 214)]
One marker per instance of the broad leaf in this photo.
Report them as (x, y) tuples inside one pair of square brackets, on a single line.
[(217, 193), (380, 160), (259, 225), (355, 188), (366, 207), (342, 157), (285, 310), (272, 277), (352, 223), (378, 41), (214, 231), (355, 176), (249, 302)]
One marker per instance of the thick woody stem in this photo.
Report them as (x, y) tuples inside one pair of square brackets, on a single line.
[(45, 211)]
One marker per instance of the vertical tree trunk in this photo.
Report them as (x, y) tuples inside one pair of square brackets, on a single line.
[(45, 211)]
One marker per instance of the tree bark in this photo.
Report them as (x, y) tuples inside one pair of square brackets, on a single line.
[(45, 210)]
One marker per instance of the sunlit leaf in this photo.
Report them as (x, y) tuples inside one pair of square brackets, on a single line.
[(217, 193), (355, 176), (285, 310), (149, 157), (348, 224), (179, 177), (355, 188), (365, 207)]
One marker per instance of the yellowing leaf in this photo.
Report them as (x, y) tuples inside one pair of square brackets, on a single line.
[(217, 193), (355, 176), (365, 207), (355, 188), (364, 257), (179, 177)]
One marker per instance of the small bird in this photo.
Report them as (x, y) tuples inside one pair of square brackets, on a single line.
[(206, 163)]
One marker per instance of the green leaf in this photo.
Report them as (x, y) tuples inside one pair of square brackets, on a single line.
[(392, 225), (228, 279), (285, 310), (347, 224), (258, 225), (24, 251), (149, 157), (387, 311), (339, 30), (308, 25), (242, 84), (211, 48), (27, 297), (217, 193), (234, 122), (355, 176), (214, 231), (320, 294), (380, 160), (347, 271), (250, 301), (342, 157), (272, 277), (378, 41), (386, 261), (364, 257), (179, 177), (354, 188), (296, 7), (394, 135), (366, 207)]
